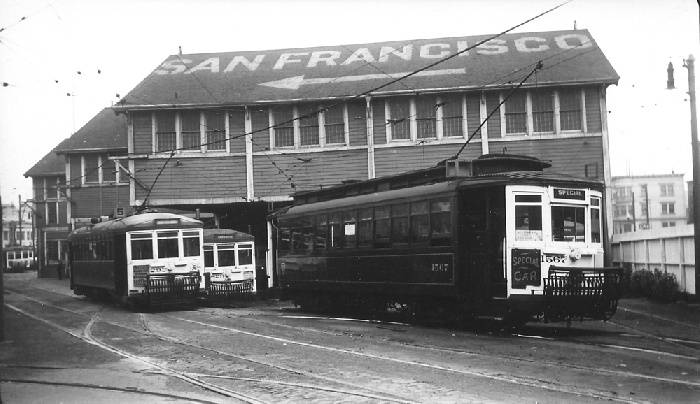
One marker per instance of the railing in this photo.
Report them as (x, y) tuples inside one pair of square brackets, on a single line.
[(574, 292), (172, 288), (227, 289), (670, 250)]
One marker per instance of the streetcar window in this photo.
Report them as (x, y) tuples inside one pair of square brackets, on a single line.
[(227, 255), (364, 227), (245, 254), (399, 224), (141, 247), (167, 244), (190, 243), (349, 230), (420, 224), (334, 230), (528, 198), (382, 226), (595, 220), (440, 222), (284, 241), (321, 233), (568, 223), (209, 256)]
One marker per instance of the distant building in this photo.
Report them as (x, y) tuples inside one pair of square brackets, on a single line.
[(15, 231), (648, 202)]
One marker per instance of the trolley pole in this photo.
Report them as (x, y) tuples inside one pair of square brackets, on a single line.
[(690, 65)]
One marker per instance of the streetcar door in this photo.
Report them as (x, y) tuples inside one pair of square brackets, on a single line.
[(524, 239)]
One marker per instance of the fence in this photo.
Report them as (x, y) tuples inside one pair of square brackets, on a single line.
[(670, 249)]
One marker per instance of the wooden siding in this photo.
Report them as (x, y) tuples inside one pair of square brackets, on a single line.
[(143, 136), (395, 160), (593, 119), (261, 133), (307, 170), (379, 121), (357, 123), (236, 122), (194, 178), (98, 200), (567, 155)]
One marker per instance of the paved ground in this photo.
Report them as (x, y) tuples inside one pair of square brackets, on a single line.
[(63, 348)]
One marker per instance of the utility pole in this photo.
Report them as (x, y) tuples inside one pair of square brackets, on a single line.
[(2, 281), (690, 65), (19, 209)]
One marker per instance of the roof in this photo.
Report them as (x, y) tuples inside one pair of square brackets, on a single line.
[(50, 165), (226, 236), (105, 131), (143, 221), (284, 75)]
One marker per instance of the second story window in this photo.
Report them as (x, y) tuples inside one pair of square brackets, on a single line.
[(165, 131), (308, 125), (334, 123), (283, 126), (666, 189), (452, 116), (668, 208), (542, 111), (425, 116), (570, 109), (92, 169), (189, 128), (216, 130), (399, 118), (516, 114)]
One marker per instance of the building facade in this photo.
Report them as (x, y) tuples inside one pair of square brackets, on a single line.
[(648, 202), (17, 225)]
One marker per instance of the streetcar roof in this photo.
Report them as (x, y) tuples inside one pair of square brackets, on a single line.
[(437, 189), (226, 236), (143, 221)]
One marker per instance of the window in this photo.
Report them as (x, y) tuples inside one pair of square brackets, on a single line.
[(226, 255), (216, 130), (190, 243), (542, 111), (141, 246), (91, 171), (399, 224), (349, 229), (284, 241), (209, 256), (668, 224), (334, 125), (420, 223), (283, 128), (666, 189), (109, 170), (189, 129), (167, 244), (568, 223), (165, 131), (52, 212), (399, 120), (452, 116), (364, 227), (425, 116), (667, 208), (570, 109), (308, 125), (52, 250), (382, 226), (321, 233), (516, 113), (595, 220), (245, 254), (440, 222), (335, 233)]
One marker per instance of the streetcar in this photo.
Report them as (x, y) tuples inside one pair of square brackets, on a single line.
[(19, 258), (148, 259), (229, 263), (496, 236)]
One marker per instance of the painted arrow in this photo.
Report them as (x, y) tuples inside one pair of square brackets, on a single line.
[(293, 83)]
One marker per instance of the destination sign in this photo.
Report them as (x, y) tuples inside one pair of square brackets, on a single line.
[(578, 194)]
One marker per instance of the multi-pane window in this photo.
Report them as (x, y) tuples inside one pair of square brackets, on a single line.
[(350, 229), (668, 208), (382, 226), (542, 111), (283, 128), (141, 246), (516, 113), (568, 223), (109, 169), (308, 124), (452, 116), (334, 125), (165, 131), (52, 212), (668, 224), (666, 189), (399, 224), (321, 233), (595, 220), (216, 130), (420, 223), (190, 124), (245, 254), (364, 227), (168, 244), (570, 109), (92, 169), (209, 256), (226, 254), (440, 222), (425, 116), (399, 118), (190, 243)]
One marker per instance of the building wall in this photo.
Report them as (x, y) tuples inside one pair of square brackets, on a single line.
[(660, 190), (96, 201), (51, 231)]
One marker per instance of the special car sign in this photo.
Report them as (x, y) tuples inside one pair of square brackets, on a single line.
[(525, 268)]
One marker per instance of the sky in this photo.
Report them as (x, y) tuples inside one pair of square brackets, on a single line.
[(98, 50)]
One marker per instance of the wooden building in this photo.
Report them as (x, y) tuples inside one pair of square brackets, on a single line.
[(236, 132)]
